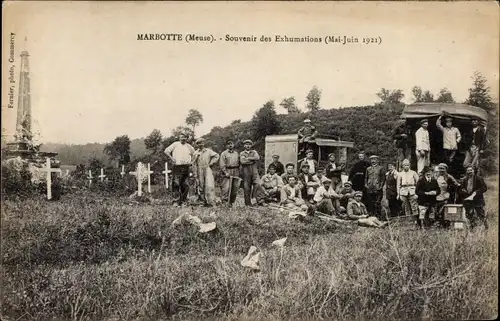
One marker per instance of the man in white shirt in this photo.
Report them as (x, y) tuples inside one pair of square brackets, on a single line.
[(423, 147), (181, 154), (322, 200), (406, 189), (451, 138)]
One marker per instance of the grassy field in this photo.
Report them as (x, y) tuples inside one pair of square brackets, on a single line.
[(94, 258)]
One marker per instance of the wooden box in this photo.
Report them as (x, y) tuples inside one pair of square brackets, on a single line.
[(454, 213)]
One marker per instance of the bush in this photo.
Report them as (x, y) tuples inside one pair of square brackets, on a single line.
[(16, 180)]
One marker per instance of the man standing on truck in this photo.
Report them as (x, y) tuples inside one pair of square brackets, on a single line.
[(451, 138), (402, 140), (423, 147), (476, 146)]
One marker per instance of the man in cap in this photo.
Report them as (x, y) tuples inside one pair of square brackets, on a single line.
[(280, 169), (406, 186), (332, 169), (356, 210), (313, 164), (307, 134), (307, 182), (289, 171), (391, 190), (448, 186), (477, 142), (272, 184), (249, 159), (320, 176), (423, 147), (322, 200), (427, 189), (346, 193), (402, 137), (229, 164), (472, 189), (203, 160), (180, 153), (291, 195), (451, 137), (375, 178), (358, 173)]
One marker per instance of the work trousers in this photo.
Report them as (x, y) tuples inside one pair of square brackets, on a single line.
[(422, 161), (472, 157), (475, 213), (180, 185), (325, 206), (251, 184), (448, 155), (394, 206), (372, 203), (426, 214), (409, 204), (226, 184)]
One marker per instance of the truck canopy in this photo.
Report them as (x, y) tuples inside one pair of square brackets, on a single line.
[(459, 111)]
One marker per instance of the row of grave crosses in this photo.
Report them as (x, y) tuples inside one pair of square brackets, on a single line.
[(138, 174)]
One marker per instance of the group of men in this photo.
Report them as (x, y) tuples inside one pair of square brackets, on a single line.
[(368, 192)]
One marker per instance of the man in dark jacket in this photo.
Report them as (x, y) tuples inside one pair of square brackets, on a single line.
[(280, 169), (472, 189), (402, 140), (391, 190), (427, 189), (477, 142)]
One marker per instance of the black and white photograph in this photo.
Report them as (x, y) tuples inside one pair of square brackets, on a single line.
[(249, 160)]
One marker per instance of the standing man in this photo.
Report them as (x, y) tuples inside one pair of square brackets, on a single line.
[(472, 189), (230, 167), (332, 169), (423, 147), (427, 191), (451, 138), (391, 190), (358, 173), (374, 183), (477, 144), (280, 169), (402, 140), (249, 159), (203, 160), (406, 187), (181, 154), (306, 134)]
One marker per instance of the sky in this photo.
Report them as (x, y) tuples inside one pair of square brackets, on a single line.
[(92, 80)]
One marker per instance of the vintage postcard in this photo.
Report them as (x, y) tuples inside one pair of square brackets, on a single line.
[(249, 160)]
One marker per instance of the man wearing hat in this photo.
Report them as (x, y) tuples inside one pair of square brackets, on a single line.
[(289, 171), (402, 136), (375, 178), (204, 159), (249, 159), (307, 182), (180, 153), (291, 195), (406, 185), (346, 193), (423, 147), (448, 186), (332, 169), (451, 137), (272, 184), (307, 134), (313, 164), (477, 142), (427, 190), (391, 190), (358, 173), (230, 167), (472, 192), (280, 169), (322, 200)]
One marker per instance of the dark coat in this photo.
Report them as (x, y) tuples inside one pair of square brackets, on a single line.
[(302, 180), (280, 169), (422, 187), (330, 172), (358, 174), (478, 138), (399, 140), (479, 186)]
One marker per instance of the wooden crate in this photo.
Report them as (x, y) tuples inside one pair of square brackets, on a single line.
[(454, 213)]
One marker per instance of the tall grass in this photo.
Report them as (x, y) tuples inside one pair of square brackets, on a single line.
[(103, 259)]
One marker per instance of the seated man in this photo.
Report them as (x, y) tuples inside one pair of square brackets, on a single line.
[(307, 134), (307, 183), (356, 210), (320, 175), (472, 189), (289, 171), (427, 189), (448, 186), (280, 169), (346, 194), (291, 197), (272, 184), (322, 201), (313, 164)]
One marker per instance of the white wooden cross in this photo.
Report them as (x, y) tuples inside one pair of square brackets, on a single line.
[(49, 177), (102, 175), (138, 175), (166, 171), (149, 172), (90, 177), (123, 171)]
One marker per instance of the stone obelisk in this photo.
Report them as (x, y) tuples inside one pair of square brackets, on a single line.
[(23, 124)]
